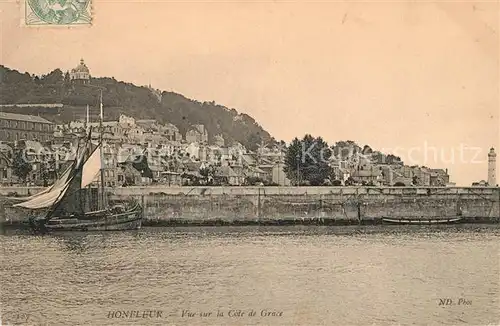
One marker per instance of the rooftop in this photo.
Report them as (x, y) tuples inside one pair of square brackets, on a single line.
[(367, 173), (23, 117), (146, 121), (225, 171), (5, 148), (82, 67)]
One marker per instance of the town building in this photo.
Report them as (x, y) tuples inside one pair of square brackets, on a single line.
[(422, 176), (275, 154), (171, 132), (225, 175), (219, 141), (125, 121), (372, 176), (167, 131), (193, 149), (279, 176), (198, 134), (14, 127), (80, 74), (439, 177), (268, 168), (387, 175), (110, 161), (127, 175), (481, 183)]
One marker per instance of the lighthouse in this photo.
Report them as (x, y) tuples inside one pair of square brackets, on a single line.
[(492, 161)]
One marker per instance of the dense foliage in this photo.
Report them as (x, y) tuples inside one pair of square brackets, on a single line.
[(310, 160), (126, 98), (140, 163), (307, 161), (20, 166)]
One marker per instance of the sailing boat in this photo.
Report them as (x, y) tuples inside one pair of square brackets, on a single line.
[(66, 201)]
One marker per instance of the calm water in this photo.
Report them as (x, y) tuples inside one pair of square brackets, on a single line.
[(305, 275)]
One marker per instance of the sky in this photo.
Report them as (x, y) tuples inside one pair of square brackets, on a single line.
[(413, 78)]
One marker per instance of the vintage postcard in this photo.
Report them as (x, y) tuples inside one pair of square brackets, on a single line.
[(249, 163)]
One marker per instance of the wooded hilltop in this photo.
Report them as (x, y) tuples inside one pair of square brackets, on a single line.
[(140, 102)]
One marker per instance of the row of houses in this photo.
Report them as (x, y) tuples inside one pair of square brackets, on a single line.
[(363, 169), (174, 160), (16, 127), (130, 164), (129, 130)]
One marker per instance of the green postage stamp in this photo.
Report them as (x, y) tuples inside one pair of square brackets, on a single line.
[(57, 12)]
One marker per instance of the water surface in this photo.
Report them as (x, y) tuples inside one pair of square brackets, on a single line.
[(298, 275)]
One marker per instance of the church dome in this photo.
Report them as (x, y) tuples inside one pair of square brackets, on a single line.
[(82, 67)]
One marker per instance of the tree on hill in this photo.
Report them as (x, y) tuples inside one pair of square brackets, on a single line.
[(254, 140), (307, 161), (53, 78), (67, 79), (346, 150)]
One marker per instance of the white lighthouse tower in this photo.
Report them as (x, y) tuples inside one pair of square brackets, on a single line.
[(492, 162)]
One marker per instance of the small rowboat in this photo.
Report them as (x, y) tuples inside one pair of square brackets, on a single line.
[(422, 220)]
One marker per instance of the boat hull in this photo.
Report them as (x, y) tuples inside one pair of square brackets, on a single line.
[(96, 221), (422, 221)]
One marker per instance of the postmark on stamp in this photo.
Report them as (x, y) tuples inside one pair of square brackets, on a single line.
[(57, 12)]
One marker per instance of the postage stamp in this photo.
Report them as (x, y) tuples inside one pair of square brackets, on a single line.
[(57, 12)]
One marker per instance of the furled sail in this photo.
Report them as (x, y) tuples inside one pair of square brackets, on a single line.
[(54, 193), (91, 167), (45, 200), (44, 191), (62, 179), (48, 196)]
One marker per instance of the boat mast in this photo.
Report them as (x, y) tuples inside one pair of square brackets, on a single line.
[(85, 193), (88, 129), (101, 117), (87, 120)]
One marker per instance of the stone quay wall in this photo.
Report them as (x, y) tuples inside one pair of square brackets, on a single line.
[(342, 205)]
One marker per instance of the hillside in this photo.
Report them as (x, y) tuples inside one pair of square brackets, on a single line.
[(125, 98)]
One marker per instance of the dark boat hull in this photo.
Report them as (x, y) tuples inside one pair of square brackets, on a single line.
[(106, 220), (422, 221)]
